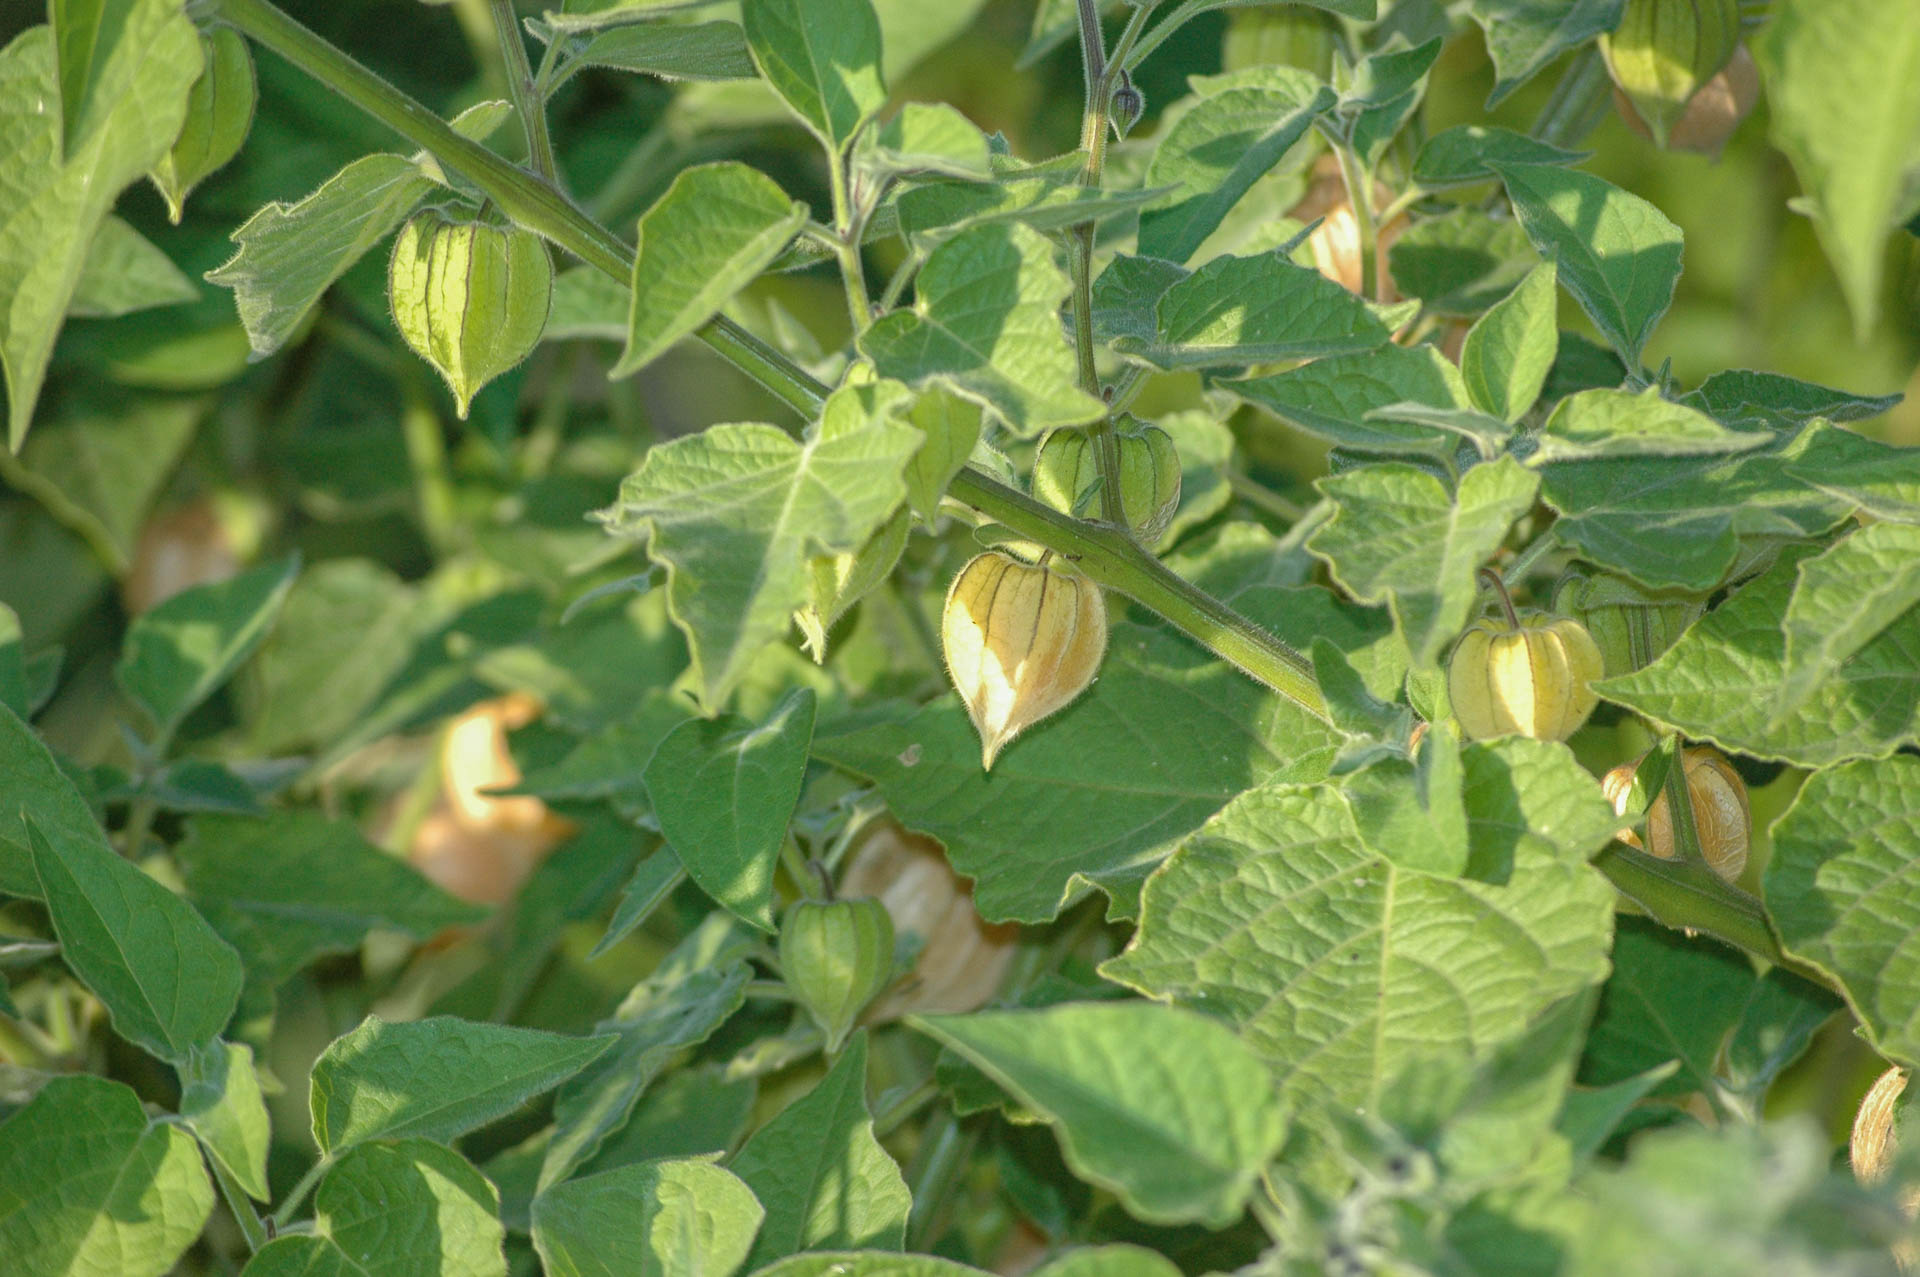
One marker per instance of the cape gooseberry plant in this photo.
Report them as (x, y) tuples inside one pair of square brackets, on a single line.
[(1228, 554)]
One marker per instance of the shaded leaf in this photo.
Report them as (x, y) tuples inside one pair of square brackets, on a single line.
[(823, 58), (693, 1220)]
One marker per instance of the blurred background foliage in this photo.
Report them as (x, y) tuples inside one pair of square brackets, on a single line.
[(161, 456)]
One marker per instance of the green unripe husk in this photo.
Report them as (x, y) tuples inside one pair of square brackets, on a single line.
[(1066, 475), (469, 298), (836, 957), (1663, 51), (1631, 626)]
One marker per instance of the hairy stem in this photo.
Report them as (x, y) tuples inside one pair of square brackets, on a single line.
[(521, 88), (849, 226)]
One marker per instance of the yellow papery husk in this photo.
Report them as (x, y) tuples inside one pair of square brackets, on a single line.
[(1021, 641), (1535, 681)]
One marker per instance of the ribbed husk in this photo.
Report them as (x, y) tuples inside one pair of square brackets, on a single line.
[(1535, 681)]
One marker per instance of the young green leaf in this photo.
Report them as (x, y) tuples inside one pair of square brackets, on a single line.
[(89, 1185), (290, 254), (716, 228), (1510, 349), (1597, 424), (1719, 683), (34, 788), (951, 426), (723, 791), (695, 51), (1462, 261), (1257, 310), (1523, 36), (1741, 398), (222, 1104), (1668, 999), (1690, 522), (1165, 1107), (1839, 889), (691, 994), (823, 58), (1460, 156), (1095, 795), (132, 105), (867, 1263), (125, 272), (1387, 88), (693, 1219), (436, 1079), (1397, 537), (1845, 597), (749, 494), (1238, 129), (182, 651), (1342, 969), (410, 1208), (167, 979), (1843, 94), (927, 137), (1618, 255), (824, 1179), (290, 887), (987, 325), (1335, 398)]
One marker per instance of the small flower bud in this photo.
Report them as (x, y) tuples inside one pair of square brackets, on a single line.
[(1126, 108), (1721, 821), (1021, 640), (470, 299), (1534, 679), (835, 957)]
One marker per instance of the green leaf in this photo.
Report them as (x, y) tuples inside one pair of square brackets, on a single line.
[(290, 887), (1841, 894), (951, 426), (1777, 1024), (1240, 127), (1334, 398), (34, 787), (290, 254), (1115, 1259), (1739, 397), (1720, 680), (1844, 598), (221, 1103), (1397, 537), (1843, 96), (824, 1179), (167, 979), (1670, 998), (716, 228), (1387, 87), (1879, 478), (1509, 351), (435, 1079), (1100, 793), (1344, 970), (986, 324), (135, 97), (182, 651), (1461, 262), (1463, 154), (1522, 792), (406, 1209), (693, 1220), (927, 137), (1618, 255), (693, 991), (1523, 36), (735, 512), (1596, 424), (124, 272), (13, 668), (696, 51), (106, 456), (823, 58), (1590, 1116), (1413, 812), (723, 791), (88, 1185), (1043, 197), (1166, 1108), (1263, 309), (1690, 522)]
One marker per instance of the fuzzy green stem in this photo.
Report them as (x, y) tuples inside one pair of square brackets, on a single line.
[(522, 89), (849, 225), (240, 1206), (1359, 184), (291, 1206), (1263, 498), (1158, 36)]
